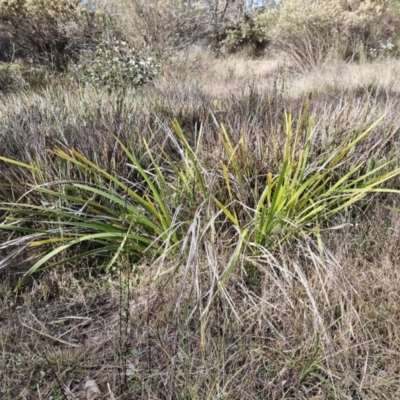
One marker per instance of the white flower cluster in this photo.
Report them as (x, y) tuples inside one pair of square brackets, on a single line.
[(382, 49), (116, 65)]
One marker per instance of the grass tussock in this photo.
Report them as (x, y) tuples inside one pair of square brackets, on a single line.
[(231, 235)]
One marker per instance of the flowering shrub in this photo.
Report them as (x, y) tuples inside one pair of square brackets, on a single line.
[(247, 34), (116, 65)]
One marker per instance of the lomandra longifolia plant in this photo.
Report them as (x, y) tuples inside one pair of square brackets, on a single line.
[(104, 215)]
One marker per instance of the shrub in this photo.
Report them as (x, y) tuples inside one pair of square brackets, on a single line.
[(5, 45), (115, 65), (247, 33), (45, 29), (6, 78), (163, 25), (312, 32)]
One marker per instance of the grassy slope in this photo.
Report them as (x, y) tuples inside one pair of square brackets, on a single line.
[(288, 324)]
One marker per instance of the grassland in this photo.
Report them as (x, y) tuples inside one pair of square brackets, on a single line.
[(254, 255)]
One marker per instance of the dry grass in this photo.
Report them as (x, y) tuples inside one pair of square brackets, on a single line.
[(373, 78), (307, 320)]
